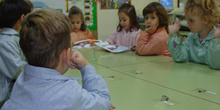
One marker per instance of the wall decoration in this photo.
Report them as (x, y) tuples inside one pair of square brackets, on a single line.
[(112, 4), (89, 10)]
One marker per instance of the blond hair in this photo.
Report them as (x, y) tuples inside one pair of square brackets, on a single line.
[(206, 7), (45, 33)]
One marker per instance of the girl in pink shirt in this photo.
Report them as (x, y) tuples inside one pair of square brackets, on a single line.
[(80, 31), (153, 41), (127, 32)]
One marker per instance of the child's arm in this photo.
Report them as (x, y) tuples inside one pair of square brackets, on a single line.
[(178, 51), (214, 50), (90, 37), (96, 96), (13, 61), (89, 33), (94, 93), (78, 61), (174, 28), (154, 45), (112, 38)]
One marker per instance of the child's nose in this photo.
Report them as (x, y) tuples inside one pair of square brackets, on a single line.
[(121, 22), (148, 20)]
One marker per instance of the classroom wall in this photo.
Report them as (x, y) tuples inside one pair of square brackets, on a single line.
[(107, 19), (55, 4)]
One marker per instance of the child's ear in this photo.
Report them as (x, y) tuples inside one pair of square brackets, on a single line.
[(21, 18), (206, 19), (66, 54)]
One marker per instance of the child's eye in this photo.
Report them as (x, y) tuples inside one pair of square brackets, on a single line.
[(190, 20), (146, 18), (152, 17)]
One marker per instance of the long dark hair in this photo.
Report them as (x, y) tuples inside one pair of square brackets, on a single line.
[(160, 11), (129, 10), (77, 11)]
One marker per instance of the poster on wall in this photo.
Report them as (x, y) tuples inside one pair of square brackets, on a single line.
[(88, 8), (39, 5), (112, 4)]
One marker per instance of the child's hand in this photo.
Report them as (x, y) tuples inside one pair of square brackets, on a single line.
[(133, 48), (77, 60), (174, 28), (217, 31), (151, 30), (112, 107)]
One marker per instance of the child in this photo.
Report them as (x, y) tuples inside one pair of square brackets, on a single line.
[(127, 32), (80, 31), (153, 41), (12, 59), (201, 45), (45, 41)]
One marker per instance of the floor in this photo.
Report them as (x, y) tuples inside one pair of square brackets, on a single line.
[(154, 82)]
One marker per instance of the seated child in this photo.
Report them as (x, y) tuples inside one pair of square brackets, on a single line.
[(127, 32), (12, 59), (202, 44), (79, 31), (45, 41), (153, 41)]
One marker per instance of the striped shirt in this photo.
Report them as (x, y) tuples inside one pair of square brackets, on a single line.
[(39, 88), (12, 60)]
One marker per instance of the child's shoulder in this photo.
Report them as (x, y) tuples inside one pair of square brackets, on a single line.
[(143, 33), (136, 30), (161, 31), (87, 31)]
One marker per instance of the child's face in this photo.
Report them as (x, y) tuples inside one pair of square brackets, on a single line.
[(124, 20), (76, 22), (195, 23), (151, 20)]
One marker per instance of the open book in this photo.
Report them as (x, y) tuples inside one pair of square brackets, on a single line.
[(85, 43), (112, 48)]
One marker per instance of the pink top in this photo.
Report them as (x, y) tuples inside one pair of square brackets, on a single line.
[(81, 35), (155, 44), (123, 38)]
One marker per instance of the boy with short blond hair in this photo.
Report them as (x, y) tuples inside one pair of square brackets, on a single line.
[(45, 41)]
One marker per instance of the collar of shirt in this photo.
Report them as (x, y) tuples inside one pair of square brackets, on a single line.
[(10, 32), (158, 30), (45, 73), (128, 31)]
